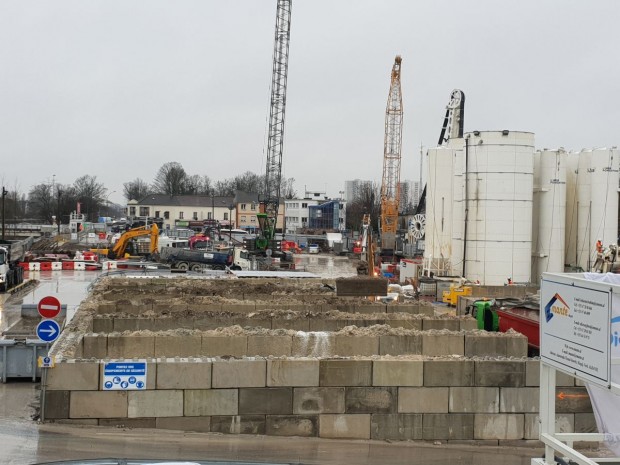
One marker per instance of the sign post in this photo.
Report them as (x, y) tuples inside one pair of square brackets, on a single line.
[(49, 307)]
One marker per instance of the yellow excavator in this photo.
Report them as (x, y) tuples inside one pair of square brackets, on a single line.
[(119, 250)]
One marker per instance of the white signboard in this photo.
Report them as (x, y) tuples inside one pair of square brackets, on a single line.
[(574, 327), (124, 376)]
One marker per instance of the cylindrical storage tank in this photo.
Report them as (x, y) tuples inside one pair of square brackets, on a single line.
[(535, 213), (549, 213), (604, 196), (438, 238), (498, 216), (458, 208), (570, 242), (584, 211)]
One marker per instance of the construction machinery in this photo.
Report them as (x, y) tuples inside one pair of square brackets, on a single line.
[(390, 184), (367, 253), (267, 219), (127, 244), (606, 259)]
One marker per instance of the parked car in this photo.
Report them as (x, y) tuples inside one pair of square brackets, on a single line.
[(313, 248)]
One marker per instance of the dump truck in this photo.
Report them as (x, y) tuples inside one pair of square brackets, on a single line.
[(195, 260)]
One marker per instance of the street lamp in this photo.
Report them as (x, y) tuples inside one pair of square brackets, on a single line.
[(107, 202), (230, 221)]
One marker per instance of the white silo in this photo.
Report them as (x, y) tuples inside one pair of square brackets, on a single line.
[(584, 210), (570, 242), (498, 214), (458, 207), (549, 212), (597, 194), (604, 196), (438, 238)]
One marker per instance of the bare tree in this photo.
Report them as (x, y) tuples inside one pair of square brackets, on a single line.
[(287, 189), (171, 179), (367, 201), (41, 202), (136, 189), (90, 193)]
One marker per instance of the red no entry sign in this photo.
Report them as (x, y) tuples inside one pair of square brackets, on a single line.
[(49, 307)]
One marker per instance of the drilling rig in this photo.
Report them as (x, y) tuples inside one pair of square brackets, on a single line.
[(390, 184), (267, 219)]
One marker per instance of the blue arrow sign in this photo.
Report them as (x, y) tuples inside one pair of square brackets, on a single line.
[(48, 330)]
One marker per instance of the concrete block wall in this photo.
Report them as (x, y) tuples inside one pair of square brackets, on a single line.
[(278, 344), (446, 399), (111, 323)]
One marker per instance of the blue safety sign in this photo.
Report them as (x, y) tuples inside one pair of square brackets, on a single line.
[(48, 330), (124, 376)]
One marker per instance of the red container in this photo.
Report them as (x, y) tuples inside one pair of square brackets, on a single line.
[(68, 265)]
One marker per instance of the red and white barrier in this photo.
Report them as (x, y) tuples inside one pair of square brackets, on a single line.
[(56, 266)]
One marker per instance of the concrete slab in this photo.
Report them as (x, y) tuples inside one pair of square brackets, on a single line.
[(178, 346), (344, 426), (98, 404), (183, 375), (371, 400), (499, 426), (315, 400), (519, 400), (347, 346), (449, 372), (292, 373), (292, 425), (265, 346), (474, 400), (95, 346), (207, 402), (78, 376), (453, 426), (434, 345), (564, 423), (361, 286), (160, 403), (345, 373), (56, 405), (238, 424), (266, 401), (499, 373), (397, 373), (400, 345), (239, 373), (220, 346), (134, 346), (401, 427), (423, 400)]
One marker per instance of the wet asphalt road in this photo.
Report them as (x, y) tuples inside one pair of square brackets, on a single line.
[(25, 441)]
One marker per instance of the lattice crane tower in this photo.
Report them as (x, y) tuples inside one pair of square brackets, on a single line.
[(275, 138), (390, 185)]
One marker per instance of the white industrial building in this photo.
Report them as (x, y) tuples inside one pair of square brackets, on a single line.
[(497, 209)]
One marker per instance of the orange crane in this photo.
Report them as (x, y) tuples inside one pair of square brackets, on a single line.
[(390, 185)]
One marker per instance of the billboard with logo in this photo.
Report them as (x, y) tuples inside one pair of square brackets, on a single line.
[(575, 330)]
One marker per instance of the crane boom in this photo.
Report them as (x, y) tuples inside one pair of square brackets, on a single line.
[(390, 185), (275, 138)]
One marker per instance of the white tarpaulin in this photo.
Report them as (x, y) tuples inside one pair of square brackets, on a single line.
[(606, 404)]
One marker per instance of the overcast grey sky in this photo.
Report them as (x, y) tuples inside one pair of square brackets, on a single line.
[(117, 88)]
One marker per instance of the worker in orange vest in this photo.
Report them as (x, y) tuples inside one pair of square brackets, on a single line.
[(599, 246)]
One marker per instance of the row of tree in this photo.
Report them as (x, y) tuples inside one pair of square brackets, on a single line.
[(47, 201), (172, 179)]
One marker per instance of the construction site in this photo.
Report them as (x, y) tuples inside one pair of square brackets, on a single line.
[(486, 321)]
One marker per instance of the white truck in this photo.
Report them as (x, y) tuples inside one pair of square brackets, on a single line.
[(11, 274)]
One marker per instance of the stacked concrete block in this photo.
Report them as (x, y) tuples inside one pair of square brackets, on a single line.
[(131, 346), (220, 346), (266, 401), (344, 426), (157, 403), (499, 426), (209, 402), (423, 400), (292, 425), (400, 345), (183, 375), (397, 372), (345, 373), (269, 345), (177, 346), (443, 343), (317, 400), (449, 372), (292, 372), (239, 373)]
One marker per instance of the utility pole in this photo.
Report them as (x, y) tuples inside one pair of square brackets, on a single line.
[(58, 212), (4, 193)]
